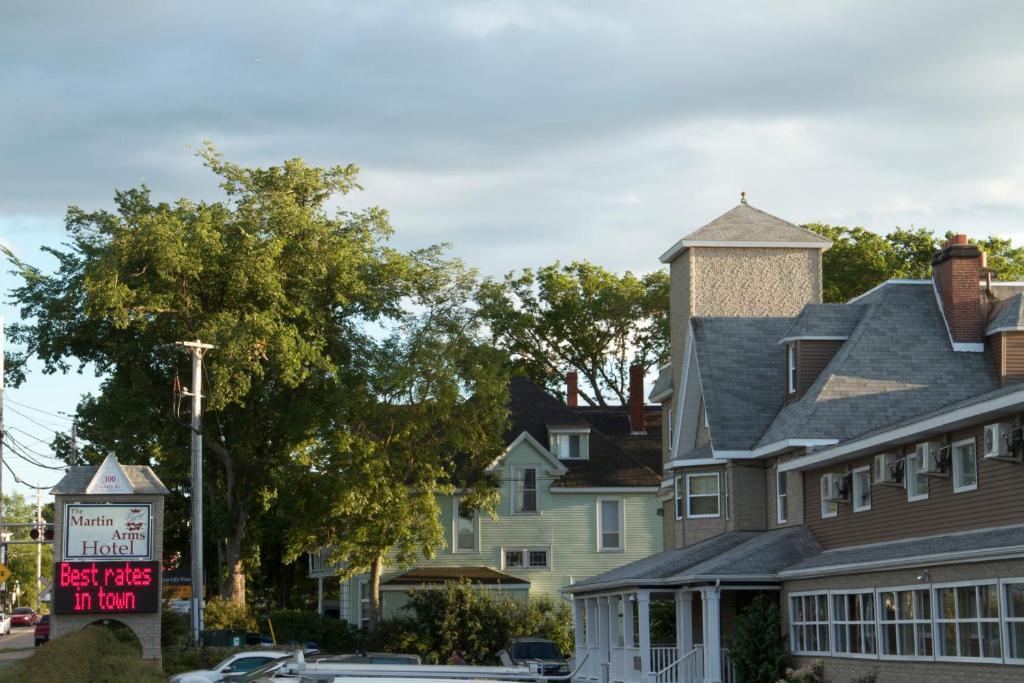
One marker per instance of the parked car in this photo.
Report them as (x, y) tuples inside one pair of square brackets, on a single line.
[(239, 662), (5, 624), (24, 616), (540, 654), (372, 658), (43, 630)]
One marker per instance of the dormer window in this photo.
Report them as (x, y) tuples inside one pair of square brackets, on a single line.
[(569, 444), (791, 368)]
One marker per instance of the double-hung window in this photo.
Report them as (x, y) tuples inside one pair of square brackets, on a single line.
[(1013, 592), (853, 622), (679, 496), (967, 619), (917, 483), (465, 530), (364, 604), (702, 495), (862, 489), (525, 558), (780, 498), (524, 483), (791, 367), (609, 525), (808, 623), (828, 509), (965, 466), (905, 619)]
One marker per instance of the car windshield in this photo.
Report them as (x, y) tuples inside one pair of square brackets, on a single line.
[(261, 671), (23, 610), (536, 650)]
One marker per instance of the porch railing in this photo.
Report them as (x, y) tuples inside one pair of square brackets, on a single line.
[(662, 656), (686, 669)]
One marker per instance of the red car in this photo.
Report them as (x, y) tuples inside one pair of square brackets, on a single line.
[(42, 633), (24, 616)]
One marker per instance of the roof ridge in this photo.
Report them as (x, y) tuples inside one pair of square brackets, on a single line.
[(798, 227)]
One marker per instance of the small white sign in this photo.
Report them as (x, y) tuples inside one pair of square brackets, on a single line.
[(110, 478), (119, 531)]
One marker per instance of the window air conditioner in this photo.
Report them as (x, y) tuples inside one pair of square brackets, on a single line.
[(888, 470), (1003, 442), (933, 459), (837, 487)]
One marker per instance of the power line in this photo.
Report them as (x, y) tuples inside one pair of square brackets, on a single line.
[(15, 448), (23, 482), (34, 421), (36, 439), (17, 442), (39, 410)]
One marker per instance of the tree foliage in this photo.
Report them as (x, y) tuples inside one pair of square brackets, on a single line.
[(579, 317), (758, 651), (21, 558), (291, 295), (860, 259)]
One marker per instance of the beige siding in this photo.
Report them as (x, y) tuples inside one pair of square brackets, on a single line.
[(996, 502), (699, 529), (746, 497)]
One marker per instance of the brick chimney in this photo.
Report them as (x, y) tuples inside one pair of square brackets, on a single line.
[(637, 421), (957, 272), (571, 390)]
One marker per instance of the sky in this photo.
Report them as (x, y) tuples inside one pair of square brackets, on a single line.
[(519, 132)]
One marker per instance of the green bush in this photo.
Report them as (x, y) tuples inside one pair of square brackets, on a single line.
[(758, 652), (94, 654), (813, 672), (179, 659), (223, 613), (175, 629), (331, 635), (477, 622)]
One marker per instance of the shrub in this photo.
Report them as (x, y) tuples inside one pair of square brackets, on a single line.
[(93, 654), (179, 659), (814, 672), (331, 635), (477, 622), (758, 653), (223, 613), (175, 629)]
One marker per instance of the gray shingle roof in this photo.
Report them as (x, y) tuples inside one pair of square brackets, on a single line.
[(898, 363), (142, 478), (1007, 314), (825, 320), (742, 371), (744, 223), (733, 554), (907, 549), (663, 383)]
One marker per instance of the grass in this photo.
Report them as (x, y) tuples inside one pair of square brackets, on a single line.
[(94, 654)]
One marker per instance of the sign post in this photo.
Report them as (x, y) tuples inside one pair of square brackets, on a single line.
[(108, 542)]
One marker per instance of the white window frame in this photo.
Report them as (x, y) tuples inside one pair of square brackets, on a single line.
[(863, 475), (915, 622), (940, 621), (724, 492), (455, 530), (518, 481), (679, 501), (791, 367), (364, 613), (817, 624), (1008, 621), (601, 548), (911, 479), (868, 597), (828, 510), (958, 485), (781, 497), (526, 550), (560, 440), (717, 495), (671, 415)]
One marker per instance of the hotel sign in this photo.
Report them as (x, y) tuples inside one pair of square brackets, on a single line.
[(98, 531), (106, 587)]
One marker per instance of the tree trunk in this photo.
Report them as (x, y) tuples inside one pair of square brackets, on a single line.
[(375, 571), (234, 586)]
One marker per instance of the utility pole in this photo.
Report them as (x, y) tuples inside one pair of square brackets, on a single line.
[(3, 526), (39, 545), (197, 349)]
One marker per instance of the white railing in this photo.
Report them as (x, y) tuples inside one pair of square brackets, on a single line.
[(662, 656), (686, 669), (728, 675)]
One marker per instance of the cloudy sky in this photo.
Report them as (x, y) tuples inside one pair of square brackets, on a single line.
[(521, 132)]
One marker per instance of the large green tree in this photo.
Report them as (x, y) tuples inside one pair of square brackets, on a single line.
[(290, 294), (579, 317), (21, 557), (428, 421)]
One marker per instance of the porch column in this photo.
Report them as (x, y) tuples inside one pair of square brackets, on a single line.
[(643, 605), (581, 642), (604, 642), (613, 619), (345, 601), (320, 595), (684, 622), (593, 638), (710, 599), (629, 636)]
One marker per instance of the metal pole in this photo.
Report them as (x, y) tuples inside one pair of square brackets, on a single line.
[(3, 529), (39, 546), (197, 349)]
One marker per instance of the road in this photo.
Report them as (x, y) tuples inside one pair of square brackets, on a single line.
[(19, 644)]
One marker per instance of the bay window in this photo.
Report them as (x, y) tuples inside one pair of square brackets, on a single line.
[(702, 495)]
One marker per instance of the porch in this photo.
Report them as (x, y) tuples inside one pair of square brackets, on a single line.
[(613, 633)]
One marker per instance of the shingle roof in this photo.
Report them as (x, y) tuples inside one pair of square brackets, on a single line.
[(1007, 314), (825, 320), (946, 545), (744, 223), (898, 363), (142, 478), (615, 459), (663, 383), (484, 575), (733, 554), (742, 371)]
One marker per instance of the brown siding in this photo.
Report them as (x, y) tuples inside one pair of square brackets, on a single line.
[(812, 356), (996, 502), (995, 349), (1013, 357), (703, 528)]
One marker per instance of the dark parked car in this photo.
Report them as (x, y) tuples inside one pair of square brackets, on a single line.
[(43, 630), (540, 654), (24, 616)]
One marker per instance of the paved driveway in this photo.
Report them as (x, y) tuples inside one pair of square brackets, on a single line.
[(18, 645)]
